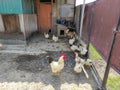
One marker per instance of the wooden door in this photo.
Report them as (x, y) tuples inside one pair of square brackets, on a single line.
[(44, 14)]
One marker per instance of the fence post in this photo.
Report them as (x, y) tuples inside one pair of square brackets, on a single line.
[(82, 17), (109, 58)]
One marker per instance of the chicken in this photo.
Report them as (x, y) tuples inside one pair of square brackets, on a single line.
[(78, 59), (55, 38), (70, 33), (88, 62), (78, 69), (83, 50), (72, 40), (74, 48), (46, 35), (57, 66), (80, 65)]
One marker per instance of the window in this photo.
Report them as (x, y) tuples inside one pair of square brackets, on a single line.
[(62, 32)]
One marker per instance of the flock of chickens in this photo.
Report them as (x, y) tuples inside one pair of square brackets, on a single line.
[(79, 50)]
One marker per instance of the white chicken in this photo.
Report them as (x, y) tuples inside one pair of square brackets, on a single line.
[(79, 48), (78, 59), (80, 65), (72, 40), (74, 48), (57, 66), (83, 50), (88, 62), (55, 38), (46, 35)]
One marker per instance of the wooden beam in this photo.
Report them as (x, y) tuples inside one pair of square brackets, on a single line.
[(58, 9), (52, 10)]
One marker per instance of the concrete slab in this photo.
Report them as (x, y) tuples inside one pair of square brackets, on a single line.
[(37, 45)]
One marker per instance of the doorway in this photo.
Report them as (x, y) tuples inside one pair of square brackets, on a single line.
[(44, 14)]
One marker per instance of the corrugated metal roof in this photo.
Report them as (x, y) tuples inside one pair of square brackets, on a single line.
[(28, 6), (10, 6), (16, 6)]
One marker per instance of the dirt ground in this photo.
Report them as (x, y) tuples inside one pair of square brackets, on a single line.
[(23, 71), (31, 69), (100, 66)]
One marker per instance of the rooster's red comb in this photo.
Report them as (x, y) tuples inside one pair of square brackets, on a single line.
[(64, 56)]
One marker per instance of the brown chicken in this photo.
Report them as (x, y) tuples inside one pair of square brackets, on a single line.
[(57, 66), (70, 33)]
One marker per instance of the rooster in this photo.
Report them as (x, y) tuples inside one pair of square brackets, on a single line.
[(57, 66)]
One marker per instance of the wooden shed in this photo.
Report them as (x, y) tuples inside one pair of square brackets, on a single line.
[(17, 20), (20, 18)]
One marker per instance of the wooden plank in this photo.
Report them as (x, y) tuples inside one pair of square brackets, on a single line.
[(58, 9), (2, 29), (11, 23)]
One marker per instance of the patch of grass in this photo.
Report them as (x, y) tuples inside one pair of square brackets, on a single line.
[(94, 55), (113, 83)]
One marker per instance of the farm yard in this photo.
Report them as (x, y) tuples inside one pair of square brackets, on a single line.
[(25, 71), (113, 82), (28, 67), (59, 45)]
